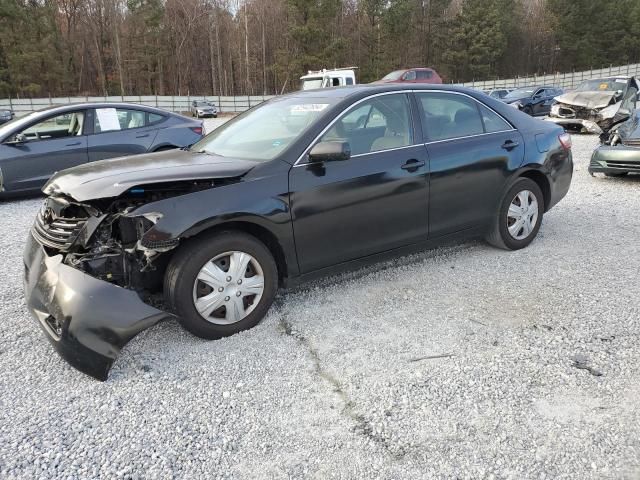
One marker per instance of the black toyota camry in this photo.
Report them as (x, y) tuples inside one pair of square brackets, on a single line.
[(303, 185)]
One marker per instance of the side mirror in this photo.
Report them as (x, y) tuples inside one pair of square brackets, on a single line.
[(17, 140), (330, 151)]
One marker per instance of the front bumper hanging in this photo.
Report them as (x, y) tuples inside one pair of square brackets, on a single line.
[(87, 320)]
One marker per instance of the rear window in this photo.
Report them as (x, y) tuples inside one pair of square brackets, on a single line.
[(155, 118)]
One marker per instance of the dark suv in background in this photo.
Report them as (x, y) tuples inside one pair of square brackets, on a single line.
[(533, 100)]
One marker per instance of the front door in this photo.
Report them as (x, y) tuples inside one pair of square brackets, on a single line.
[(374, 201), (46, 147), (472, 151)]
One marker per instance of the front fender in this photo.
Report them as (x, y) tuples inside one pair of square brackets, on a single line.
[(263, 202)]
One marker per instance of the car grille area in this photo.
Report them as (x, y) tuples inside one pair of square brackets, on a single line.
[(59, 223), (629, 166)]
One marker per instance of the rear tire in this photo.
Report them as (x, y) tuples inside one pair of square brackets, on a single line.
[(198, 290), (519, 216)]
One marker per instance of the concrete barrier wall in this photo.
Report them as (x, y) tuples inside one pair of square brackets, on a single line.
[(563, 80), (569, 80), (22, 106)]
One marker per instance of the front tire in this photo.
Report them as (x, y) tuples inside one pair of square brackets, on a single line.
[(519, 217), (221, 284), (528, 110)]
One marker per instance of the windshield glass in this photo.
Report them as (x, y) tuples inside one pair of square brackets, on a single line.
[(393, 75), (520, 93), (266, 131), (311, 83), (605, 84), (202, 104)]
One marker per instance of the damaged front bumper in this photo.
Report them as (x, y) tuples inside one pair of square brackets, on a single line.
[(87, 320), (577, 124), (615, 160)]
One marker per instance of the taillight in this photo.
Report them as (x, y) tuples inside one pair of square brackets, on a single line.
[(198, 130), (565, 141)]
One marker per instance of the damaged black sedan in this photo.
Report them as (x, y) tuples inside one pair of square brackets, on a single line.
[(303, 185)]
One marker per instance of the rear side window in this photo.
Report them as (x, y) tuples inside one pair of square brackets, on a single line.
[(349, 81), (446, 116), (492, 121), (155, 118), (424, 74), (114, 119)]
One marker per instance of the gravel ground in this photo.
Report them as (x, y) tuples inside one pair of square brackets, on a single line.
[(461, 362)]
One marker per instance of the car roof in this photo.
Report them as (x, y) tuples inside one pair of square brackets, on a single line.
[(373, 88), (74, 106)]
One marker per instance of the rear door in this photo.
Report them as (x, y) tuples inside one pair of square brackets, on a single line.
[(472, 151), (119, 132), (50, 145)]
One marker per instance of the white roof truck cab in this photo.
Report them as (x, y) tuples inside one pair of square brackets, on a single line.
[(336, 77)]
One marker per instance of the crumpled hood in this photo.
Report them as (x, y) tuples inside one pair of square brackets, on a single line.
[(110, 178), (586, 99)]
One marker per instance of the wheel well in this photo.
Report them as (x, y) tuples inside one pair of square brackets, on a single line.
[(543, 183), (262, 234)]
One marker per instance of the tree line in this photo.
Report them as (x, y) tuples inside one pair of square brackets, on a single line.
[(254, 47)]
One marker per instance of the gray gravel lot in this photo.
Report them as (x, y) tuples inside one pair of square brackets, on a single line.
[(337, 381)]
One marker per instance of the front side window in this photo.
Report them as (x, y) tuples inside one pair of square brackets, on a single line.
[(114, 119), (380, 123), (65, 125), (446, 116), (265, 131)]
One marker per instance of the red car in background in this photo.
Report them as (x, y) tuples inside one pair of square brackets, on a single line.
[(412, 75)]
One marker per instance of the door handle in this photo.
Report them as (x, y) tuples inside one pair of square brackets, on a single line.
[(510, 145), (412, 165), (73, 144), (142, 136)]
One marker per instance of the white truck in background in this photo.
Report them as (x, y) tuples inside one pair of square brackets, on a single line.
[(336, 77)]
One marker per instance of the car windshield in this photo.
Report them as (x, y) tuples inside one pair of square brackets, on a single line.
[(520, 93), (393, 75), (603, 84), (202, 104), (264, 132), (311, 83)]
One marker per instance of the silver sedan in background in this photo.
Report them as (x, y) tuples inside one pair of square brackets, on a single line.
[(34, 147)]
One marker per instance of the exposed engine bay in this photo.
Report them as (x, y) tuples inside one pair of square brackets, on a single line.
[(597, 105), (106, 239)]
